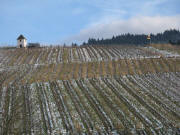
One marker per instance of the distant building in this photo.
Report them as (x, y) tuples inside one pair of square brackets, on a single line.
[(32, 45), (21, 42)]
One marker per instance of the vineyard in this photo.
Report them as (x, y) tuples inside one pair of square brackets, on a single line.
[(90, 90)]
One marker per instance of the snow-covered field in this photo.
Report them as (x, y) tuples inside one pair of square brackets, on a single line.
[(89, 90), (136, 104), (49, 55)]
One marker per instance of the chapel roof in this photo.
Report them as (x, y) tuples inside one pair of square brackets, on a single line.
[(21, 37)]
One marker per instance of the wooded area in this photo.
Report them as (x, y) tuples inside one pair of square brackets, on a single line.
[(169, 36)]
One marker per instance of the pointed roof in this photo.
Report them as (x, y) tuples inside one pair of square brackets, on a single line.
[(21, 37)]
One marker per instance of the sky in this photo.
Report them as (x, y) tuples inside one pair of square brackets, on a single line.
[(53, 22)]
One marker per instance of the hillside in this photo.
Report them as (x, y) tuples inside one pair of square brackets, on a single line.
[(90, 89)]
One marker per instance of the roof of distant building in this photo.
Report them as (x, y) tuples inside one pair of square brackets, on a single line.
[(21, 37)]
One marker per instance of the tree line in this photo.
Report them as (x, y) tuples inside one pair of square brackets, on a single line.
[(169, 36)]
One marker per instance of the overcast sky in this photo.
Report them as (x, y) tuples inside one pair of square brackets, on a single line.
[(59, 21)]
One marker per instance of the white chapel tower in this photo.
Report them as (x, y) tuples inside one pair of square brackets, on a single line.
[(21, 41)]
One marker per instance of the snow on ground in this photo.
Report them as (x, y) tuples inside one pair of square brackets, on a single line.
[(165, 53), (1, 57), (52, 105)]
